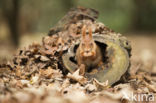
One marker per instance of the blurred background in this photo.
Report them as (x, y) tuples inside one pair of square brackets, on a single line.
[(25, 21)]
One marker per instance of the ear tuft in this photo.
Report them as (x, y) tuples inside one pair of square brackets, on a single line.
[(90, 32), (84, 31)]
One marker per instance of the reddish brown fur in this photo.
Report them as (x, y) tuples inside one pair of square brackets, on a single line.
[(88, 53)]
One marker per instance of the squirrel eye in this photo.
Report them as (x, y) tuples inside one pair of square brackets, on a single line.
[(83, 44), (91, 44)]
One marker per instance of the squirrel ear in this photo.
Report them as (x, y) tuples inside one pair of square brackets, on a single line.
[(90, 32), (84, 31)]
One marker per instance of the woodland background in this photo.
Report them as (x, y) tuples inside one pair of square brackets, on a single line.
[(25, 21)]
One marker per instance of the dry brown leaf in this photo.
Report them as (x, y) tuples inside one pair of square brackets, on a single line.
[(100, 85), (51, 73), (91, 87), (77, 77)]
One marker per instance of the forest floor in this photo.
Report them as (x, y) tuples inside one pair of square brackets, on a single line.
[(49, 86)]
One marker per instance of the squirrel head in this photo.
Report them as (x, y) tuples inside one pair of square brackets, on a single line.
[(87, 45)]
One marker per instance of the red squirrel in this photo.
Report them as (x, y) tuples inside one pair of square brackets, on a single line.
[(88, 52)]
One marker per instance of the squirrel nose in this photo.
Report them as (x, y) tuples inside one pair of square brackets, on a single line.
[(87, 51)]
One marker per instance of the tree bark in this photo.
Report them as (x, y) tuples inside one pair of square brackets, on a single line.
[(11, 13)]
